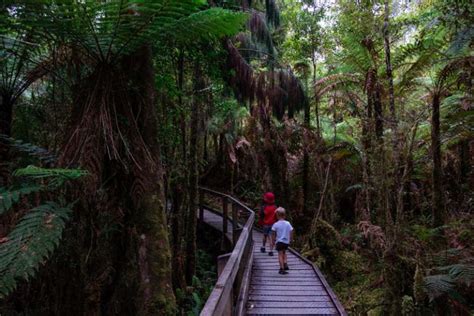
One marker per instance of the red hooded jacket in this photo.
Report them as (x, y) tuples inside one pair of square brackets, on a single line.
[(267, 213)]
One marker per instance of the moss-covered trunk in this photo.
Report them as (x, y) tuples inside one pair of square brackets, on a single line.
[(154, 255)]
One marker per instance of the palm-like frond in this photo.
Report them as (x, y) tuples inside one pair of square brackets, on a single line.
[(57, 176), (106, 30), (30, 243), (438, 285)]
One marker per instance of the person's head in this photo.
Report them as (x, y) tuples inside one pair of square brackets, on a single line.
[(280, 213), (269, 198)]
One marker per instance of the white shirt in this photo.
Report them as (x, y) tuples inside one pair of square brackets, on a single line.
[(282, 228)]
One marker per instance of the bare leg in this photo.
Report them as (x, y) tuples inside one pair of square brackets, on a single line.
[(281, 259)]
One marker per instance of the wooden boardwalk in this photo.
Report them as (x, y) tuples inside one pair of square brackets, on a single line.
[(303, 291)]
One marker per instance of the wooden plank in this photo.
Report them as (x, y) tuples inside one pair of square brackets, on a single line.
[(333, 296), (300, 311), (281, 278), (277, 267), (265, 257), (308, 273), (265, 261), (287, 288), (259, 254), (295, 305), (284, 298), (286, 282), (288, 293), (258, 264)]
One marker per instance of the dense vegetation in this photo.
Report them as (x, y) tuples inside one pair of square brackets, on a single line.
[(357, 114)]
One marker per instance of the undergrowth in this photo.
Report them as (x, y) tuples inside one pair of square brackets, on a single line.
[(191, 300)]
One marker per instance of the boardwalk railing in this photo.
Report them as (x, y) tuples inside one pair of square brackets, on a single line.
[(230, 292)]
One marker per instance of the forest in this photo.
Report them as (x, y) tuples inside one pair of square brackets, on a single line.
[(357, 114)]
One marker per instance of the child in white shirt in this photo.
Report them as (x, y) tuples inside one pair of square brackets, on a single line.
[(282, 235)]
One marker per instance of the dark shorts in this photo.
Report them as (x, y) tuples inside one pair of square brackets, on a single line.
[(281, 246), (267, 229)]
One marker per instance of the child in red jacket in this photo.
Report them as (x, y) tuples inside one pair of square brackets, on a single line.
[(267, 218)]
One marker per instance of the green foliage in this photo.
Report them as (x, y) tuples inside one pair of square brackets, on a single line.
[(192, 300), (106, 30), (10, 197), (30, 243), (30, 149), (37, 234), (57, 176), (449, 281)]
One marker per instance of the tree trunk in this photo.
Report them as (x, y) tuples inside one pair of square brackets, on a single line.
[(316, 106), (388, 65), (437, 198), (178, 228), (180, 102), (6, 116), (118, 240), (378, 111), (307, 125), (154, 255), (193, 175)]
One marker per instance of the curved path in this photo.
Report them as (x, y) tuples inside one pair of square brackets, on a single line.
[(304, 291)]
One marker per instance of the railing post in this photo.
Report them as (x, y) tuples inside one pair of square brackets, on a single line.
[(201, 206), (235, 224)]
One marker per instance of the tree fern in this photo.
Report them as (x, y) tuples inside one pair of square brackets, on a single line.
[(103, 31), (30, 243)]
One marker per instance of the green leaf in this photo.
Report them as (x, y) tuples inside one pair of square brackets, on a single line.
[(31, 243)]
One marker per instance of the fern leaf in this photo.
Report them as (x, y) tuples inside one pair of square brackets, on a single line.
[(9, 197), (438, 285), (57, 175), (32, 150), (30, 243)]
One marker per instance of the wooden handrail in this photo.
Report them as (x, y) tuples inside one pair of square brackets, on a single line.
[(228, 286)]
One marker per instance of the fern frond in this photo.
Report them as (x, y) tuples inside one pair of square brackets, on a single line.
[(462, 40), (10, 197), (56, 175), (30, 243), (460, 272), (206, 25), (32, 150), (104, 31), (438, 285)]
